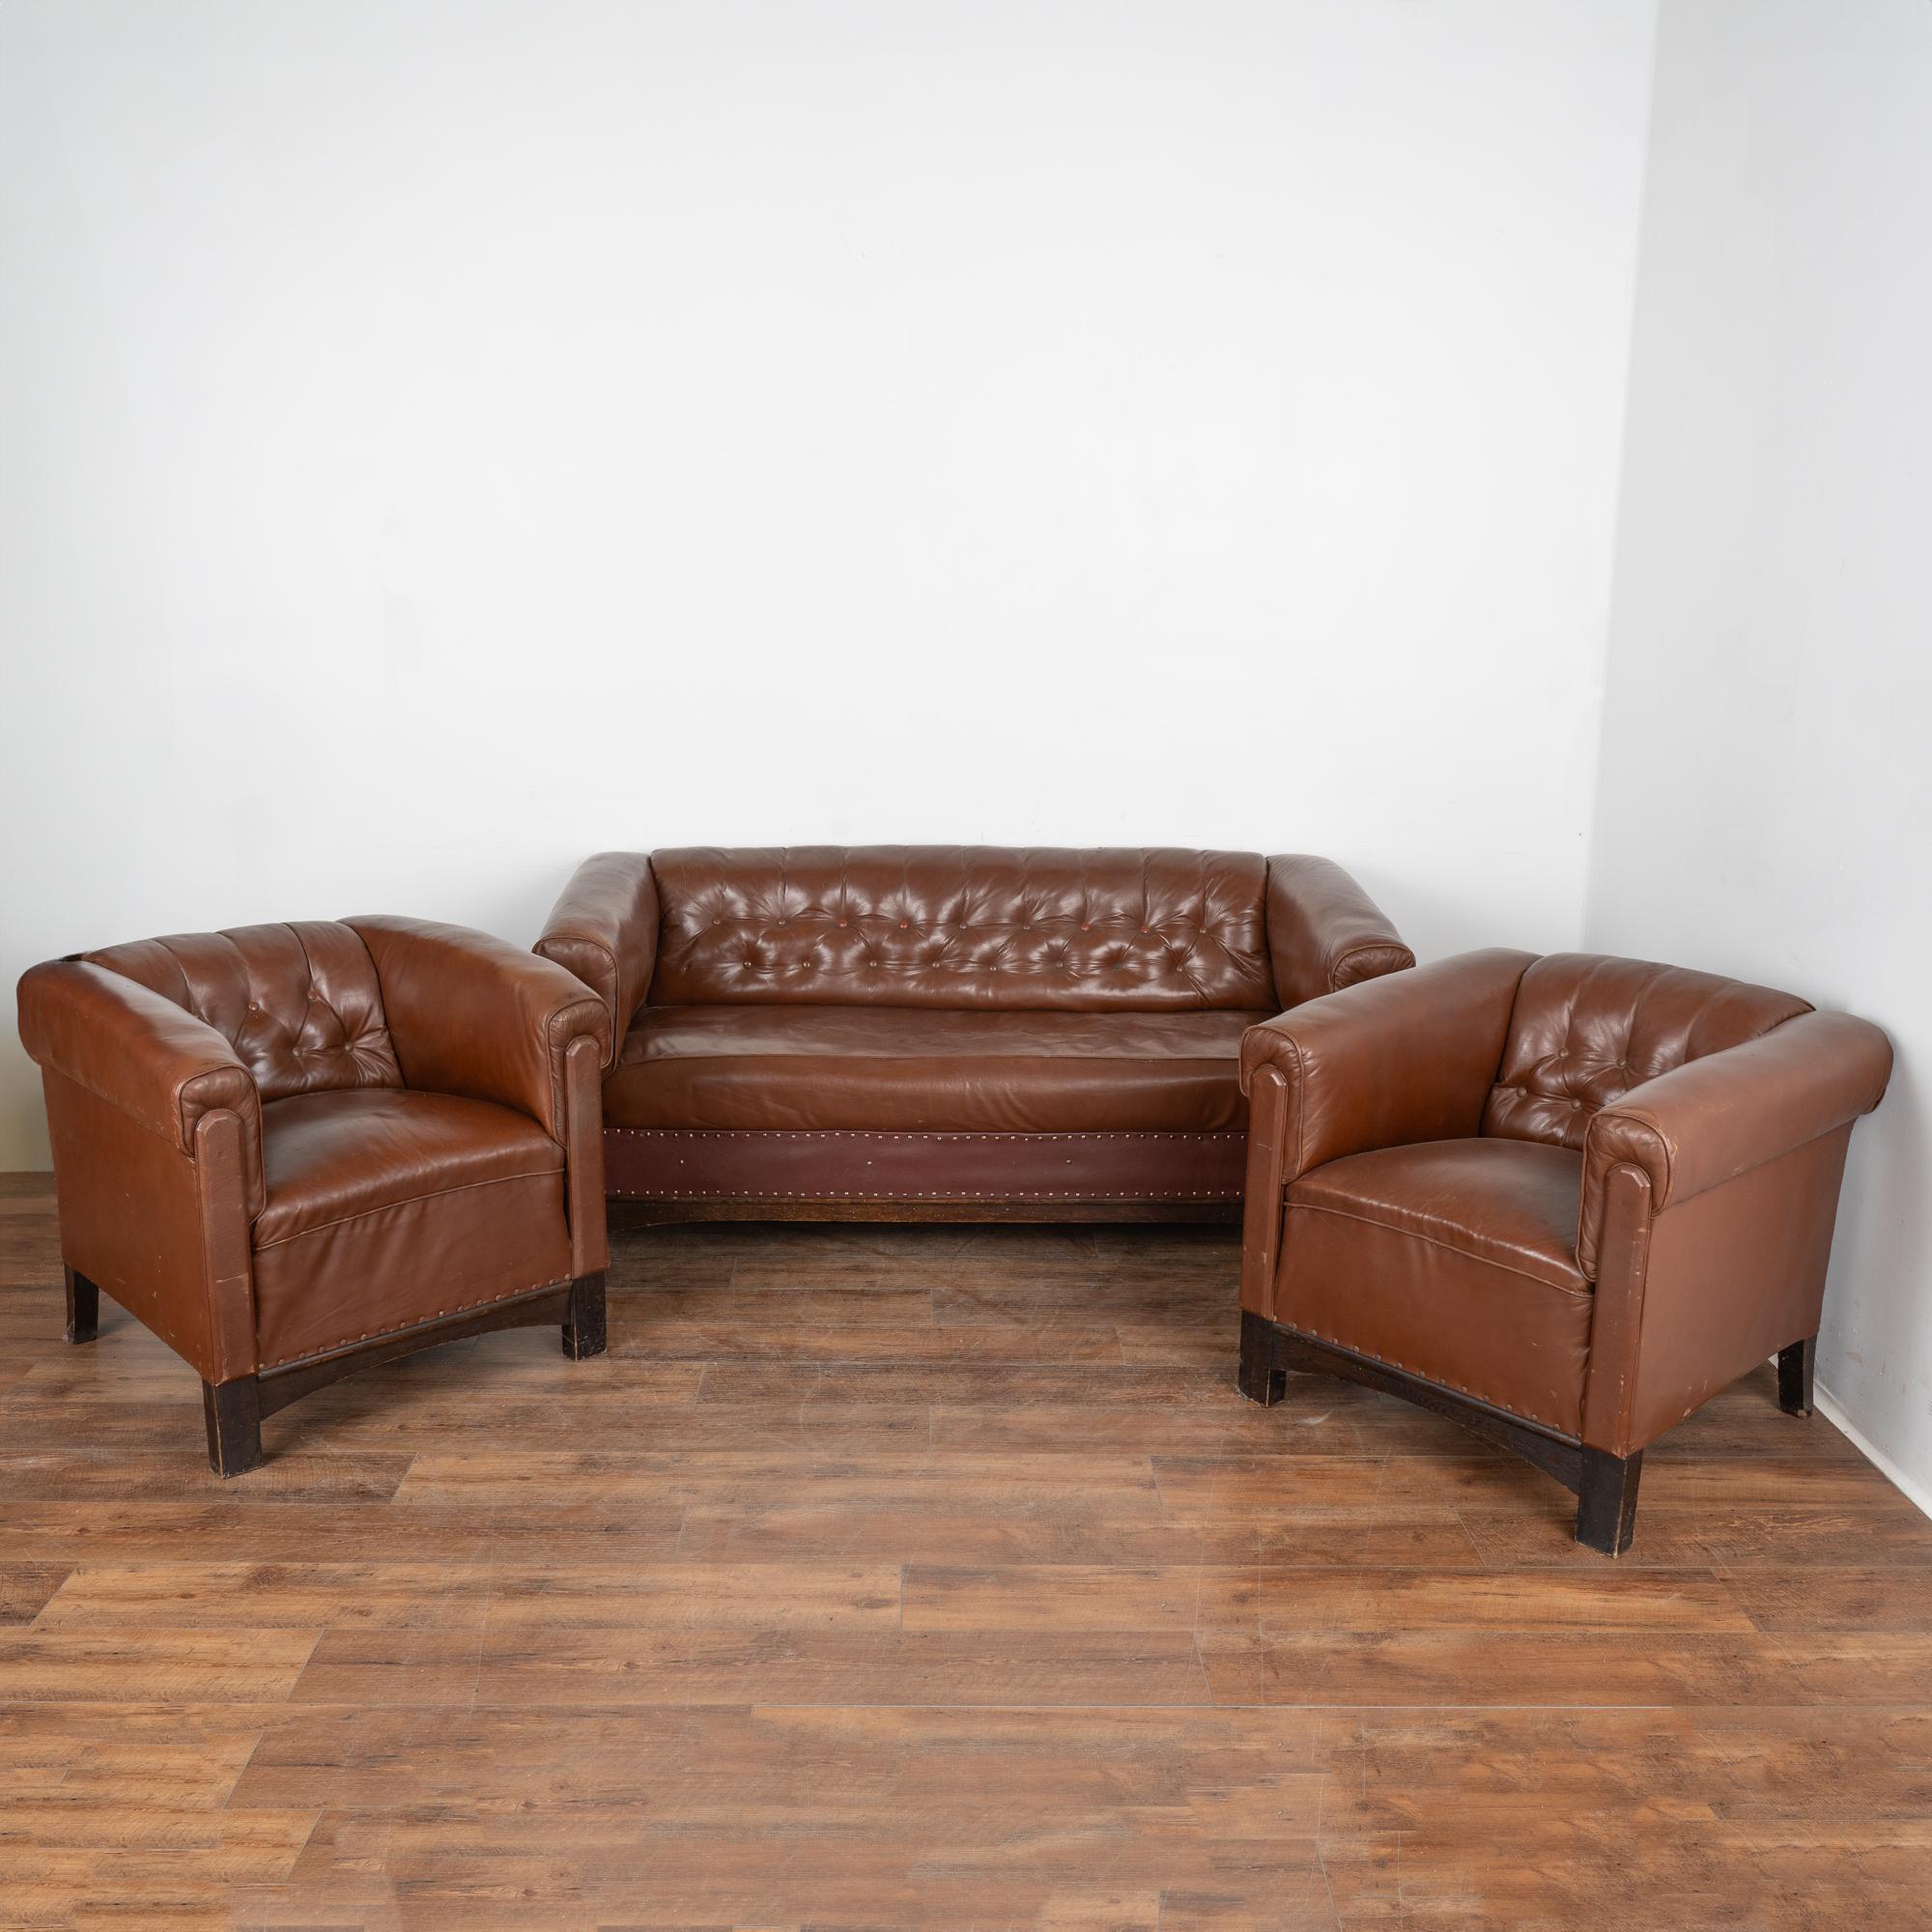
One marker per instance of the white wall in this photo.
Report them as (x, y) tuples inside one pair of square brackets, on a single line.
[(1766, 798), (437, 442)]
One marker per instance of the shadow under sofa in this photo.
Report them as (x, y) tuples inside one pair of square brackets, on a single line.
[(946, 1033)]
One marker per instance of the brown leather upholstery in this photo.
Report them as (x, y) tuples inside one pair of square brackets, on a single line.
[(1508, 1204), (1709, 1120), (964, 926), (604, 930), (1323, 931), (900, 1067), (1429, 1253), (300, 1003), (331, 1157), (946, 991), (282, 1141), (1408, 1057), (447, 1201), (468, 1017), (144, 1056), (1586, 1029), (1590, 1191)]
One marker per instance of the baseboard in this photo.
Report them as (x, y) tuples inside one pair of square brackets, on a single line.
[(1829, 1407)]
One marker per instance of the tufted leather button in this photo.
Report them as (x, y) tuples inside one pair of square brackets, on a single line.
[(1210, 908), (1581, 1023)]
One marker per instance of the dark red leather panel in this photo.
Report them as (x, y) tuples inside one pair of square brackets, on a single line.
[(1586, 1029), (327, 1157), (962, 926), (905, 1070), (300, 1003), (809, 1166)]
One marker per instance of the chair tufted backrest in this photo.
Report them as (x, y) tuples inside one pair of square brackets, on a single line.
[(1586, 1029), (963, 926), (301, 1005)]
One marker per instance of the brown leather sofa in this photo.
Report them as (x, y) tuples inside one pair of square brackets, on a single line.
[(295, 1150), (946, 1032), (1565, 1199)]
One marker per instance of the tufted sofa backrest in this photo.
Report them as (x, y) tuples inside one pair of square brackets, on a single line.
[(963, 926), (301, 1005), (1586, 1029)]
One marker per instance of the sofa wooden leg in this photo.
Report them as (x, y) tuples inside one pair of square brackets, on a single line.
[(232, 1412), (1607, 1500), (83, 1307), (1795, 1367), (1260, 1381), (583, 1332)]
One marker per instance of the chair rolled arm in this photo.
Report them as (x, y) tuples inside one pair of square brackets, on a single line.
[(138, 1051), (474, 1016), (603, 928), (1711, 1119), (1411, 1057), (1323, 931)]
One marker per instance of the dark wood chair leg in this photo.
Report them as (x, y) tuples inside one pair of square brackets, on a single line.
[(1260, 1381), (83, 1307), (583, 1332), (1607, 1500), (233, 1411), (1795, 1367)]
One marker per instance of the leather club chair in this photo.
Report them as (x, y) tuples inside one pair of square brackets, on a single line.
[(298, 1151), (1563, 1200)]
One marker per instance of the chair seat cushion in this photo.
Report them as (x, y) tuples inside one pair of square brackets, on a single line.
[(1453, 1260), (1512, 1203), (386, 1208), (913, 1069), (330, 1155)]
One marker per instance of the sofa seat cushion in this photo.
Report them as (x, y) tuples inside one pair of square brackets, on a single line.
[(912, 1069), (1453, 1260), (387, 1208)]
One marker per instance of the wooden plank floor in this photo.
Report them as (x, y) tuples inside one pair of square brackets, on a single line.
[(897, 1576)]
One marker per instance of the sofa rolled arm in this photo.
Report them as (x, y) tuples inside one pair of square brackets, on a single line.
[(475, 1016), (1411, 1057), (1711, 1119), (1323, 931), (603, 928), (140, 1053)]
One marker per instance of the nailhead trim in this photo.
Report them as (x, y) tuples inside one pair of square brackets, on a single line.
[(881, 1134), (1429, 1375), (919, 1193), (384, 1334), (926, 1194)]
